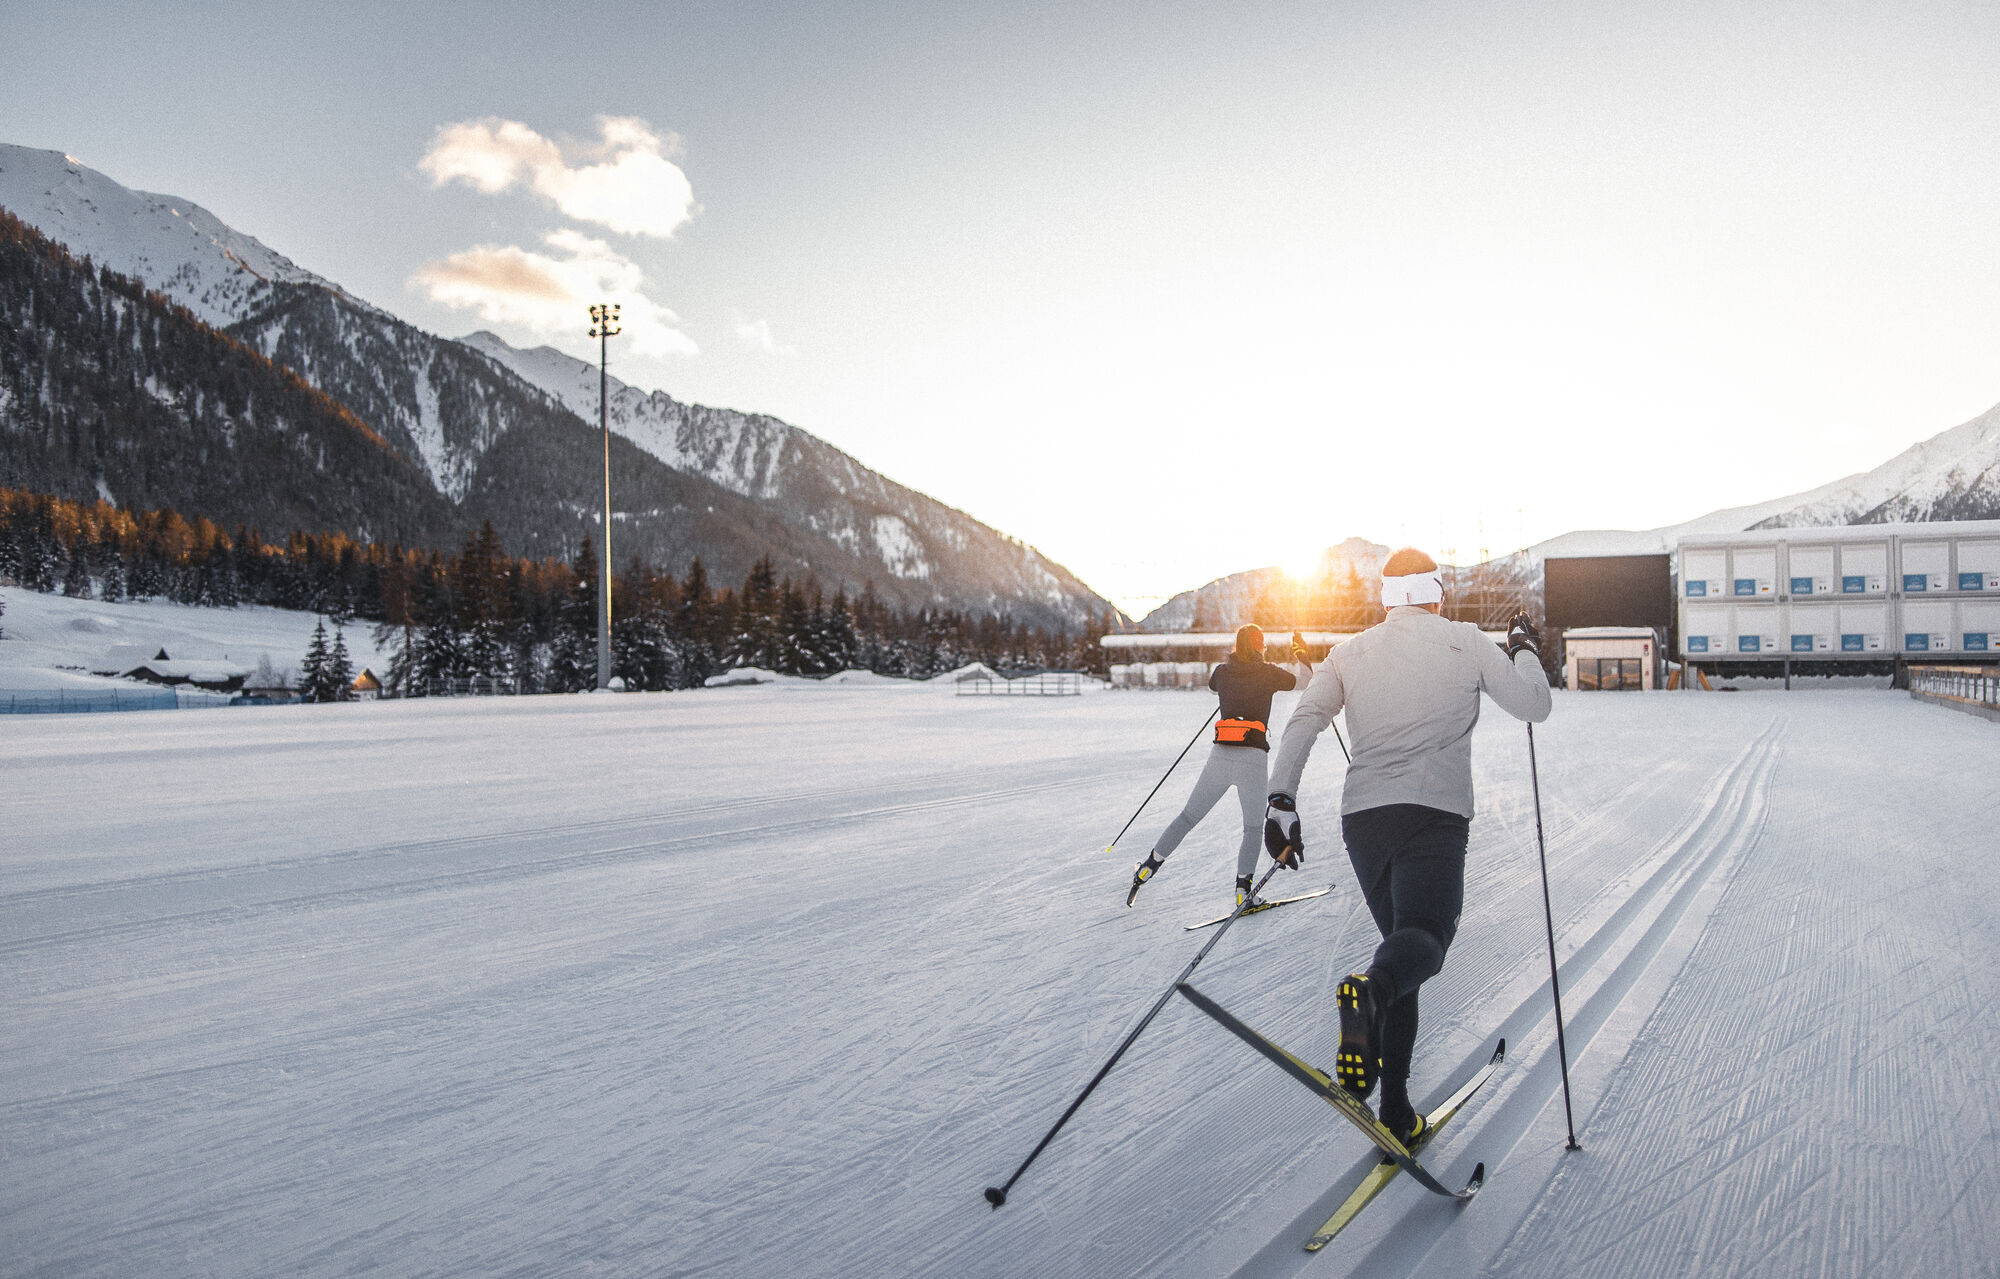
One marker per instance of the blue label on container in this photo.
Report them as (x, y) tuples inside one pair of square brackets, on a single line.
[(1746, 586), (1972, 581), (1749, 644), (1913, 582), (1975, 642), (1850, 643), (1802, 643), (1697, 589), (1697, 643), (1802, 586), (1917, 643), (1854, 585)]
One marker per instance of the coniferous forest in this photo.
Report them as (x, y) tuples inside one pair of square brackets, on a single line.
[(479, 615)]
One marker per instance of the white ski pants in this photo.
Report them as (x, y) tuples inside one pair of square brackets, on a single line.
[(1238, 766)]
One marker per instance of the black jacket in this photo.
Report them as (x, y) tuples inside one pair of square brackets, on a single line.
[(1245, 690)]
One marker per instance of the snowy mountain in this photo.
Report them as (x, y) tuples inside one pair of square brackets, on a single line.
[(493, 427), (1954, 475), (916, 538), (174, 245)]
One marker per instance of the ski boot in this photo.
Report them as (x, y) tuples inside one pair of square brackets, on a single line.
[(1360, 1061), (1400, 1118), (1245, 897), (1141, 873)]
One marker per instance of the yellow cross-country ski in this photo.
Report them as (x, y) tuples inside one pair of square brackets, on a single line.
[(1350, 1107)]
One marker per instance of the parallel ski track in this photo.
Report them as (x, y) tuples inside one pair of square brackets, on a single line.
[(1599, 973), (375, 863)]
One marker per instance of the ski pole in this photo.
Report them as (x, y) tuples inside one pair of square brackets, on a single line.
[(1163, 780), (997, 1195), (1342, 740), (1548, 918)]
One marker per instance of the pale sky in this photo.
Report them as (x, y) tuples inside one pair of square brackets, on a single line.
[(1167, 290)]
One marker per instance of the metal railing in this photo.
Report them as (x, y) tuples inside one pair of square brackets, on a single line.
[(1049, 685), (1972, 685)]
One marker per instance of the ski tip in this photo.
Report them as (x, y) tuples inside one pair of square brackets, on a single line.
[(1500, 1050), (1478, 1180), (995, 1196)]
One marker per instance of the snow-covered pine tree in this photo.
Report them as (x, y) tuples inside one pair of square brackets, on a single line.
[(573, 648), (339, 670), (698, 625), (756, 642), (481, 607), (798, 648), (76, 576), (838, 642), (312, 670)]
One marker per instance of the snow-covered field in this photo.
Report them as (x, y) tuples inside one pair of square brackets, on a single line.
[(773, 981), (50, 641)]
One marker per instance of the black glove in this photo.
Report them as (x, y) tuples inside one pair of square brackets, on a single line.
[(1282, 836), (1298, 647), (1521, 634)]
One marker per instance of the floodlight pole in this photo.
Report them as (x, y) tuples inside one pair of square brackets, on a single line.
[(604, 327)]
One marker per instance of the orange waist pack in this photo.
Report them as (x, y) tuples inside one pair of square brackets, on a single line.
[(1240, 732)]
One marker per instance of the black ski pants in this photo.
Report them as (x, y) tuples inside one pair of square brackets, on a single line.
[(1410, 861)]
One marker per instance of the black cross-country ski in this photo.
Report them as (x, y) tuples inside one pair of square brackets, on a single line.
[(1281, 901), (1352, 1108), (1383, 1173)]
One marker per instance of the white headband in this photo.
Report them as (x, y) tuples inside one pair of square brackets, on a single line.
[(1417, 588)]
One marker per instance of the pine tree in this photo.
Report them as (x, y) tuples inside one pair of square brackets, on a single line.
[(838, 641), (399, 629), (756, 642), (313, 670), (797, 650), (339, 670), (698, 626), (76, 578), (573, 648)]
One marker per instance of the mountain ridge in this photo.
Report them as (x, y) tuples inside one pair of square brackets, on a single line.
[(728, 487)]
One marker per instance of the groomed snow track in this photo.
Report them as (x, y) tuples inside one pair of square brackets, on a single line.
[(776, 981), (1617, 960)]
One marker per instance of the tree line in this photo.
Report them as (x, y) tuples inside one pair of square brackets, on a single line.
[(481, 615)]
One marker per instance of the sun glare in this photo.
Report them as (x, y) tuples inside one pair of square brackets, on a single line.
[(1304, 567)]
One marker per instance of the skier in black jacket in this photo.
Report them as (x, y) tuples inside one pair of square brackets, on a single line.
[(1245, 685)]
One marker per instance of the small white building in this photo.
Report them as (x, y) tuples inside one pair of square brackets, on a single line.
[(1611, 657)]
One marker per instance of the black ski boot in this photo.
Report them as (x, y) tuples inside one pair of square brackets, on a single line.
[(1141, 873), (1361, 1009), (1244, 893), (1401, 1118)]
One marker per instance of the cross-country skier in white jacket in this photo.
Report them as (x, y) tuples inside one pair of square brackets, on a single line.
[(1410, 686)]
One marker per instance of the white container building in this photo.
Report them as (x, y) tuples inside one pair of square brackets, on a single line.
[(1864, 591)]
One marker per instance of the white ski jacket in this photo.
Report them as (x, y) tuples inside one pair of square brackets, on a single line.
[(1410, 686)]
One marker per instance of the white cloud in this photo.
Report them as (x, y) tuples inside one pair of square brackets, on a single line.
[(627, 184), (551, 293), (757, 333)]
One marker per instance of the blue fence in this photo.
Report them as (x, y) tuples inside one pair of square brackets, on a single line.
[(84, 701), (57, 701)]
